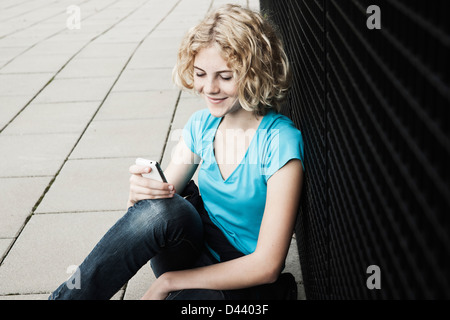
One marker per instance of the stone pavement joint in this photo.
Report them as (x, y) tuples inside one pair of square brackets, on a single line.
[(76, 108), (95, 113)]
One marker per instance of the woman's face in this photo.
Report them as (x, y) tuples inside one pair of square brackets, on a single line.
[(214, 80)]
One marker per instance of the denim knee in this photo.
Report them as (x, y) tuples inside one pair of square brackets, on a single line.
[(166, 220)]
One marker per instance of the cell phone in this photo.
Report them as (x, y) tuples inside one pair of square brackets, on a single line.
[(156, 173)]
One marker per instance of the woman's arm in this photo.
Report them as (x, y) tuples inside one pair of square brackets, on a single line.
[(265, 263), (180, 170), (182, 166)]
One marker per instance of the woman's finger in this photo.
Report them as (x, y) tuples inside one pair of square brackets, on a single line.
[(135, 189), (137, 169), (150, 183), (139, 197)]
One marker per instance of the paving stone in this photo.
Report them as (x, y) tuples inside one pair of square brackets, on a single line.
[(34, 155), (161, 43), (4, 246), (218, 3), (30, 83), (33, 63), (160, 32), (92, 28), (18, 9), (293, 266), (20, 39), (67, 117), (139, 284), (119, 295), (132, 34), (132, 105), (9, 53), (122, 138), (37, 32), (48, 245), (155, 58), (70, 90), (18, 196), (58, 44), (180, 21), (93, 68), (10, 106), (89, 185), (100, 50), (145, 80), (84, 34), (9, 28), (187, 105), (200, 8)]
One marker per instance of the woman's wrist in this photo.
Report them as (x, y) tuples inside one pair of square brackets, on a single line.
[(166, 282)]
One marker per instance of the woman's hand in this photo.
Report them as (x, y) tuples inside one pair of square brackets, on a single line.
[(144, 188), (159, 290)]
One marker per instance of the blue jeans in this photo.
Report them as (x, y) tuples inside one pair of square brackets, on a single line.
[(168, 232)]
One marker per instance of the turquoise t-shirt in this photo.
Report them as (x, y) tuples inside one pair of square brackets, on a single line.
[(236, 205)]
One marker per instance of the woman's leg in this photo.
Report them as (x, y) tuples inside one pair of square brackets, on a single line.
[(148, 228)]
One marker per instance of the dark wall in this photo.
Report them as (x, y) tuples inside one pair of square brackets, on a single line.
[(373, 107)]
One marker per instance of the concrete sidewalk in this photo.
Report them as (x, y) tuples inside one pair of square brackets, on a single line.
[(77, 106)]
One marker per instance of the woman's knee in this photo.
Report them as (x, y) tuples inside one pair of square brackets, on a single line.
[(170, 218)]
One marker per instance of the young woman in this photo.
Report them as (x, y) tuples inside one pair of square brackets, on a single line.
[(235, 237)]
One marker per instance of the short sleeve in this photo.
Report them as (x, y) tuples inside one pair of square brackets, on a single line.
[(192, 132), (283, 145)]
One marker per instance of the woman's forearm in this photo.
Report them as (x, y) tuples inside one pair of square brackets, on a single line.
[(239, 273)]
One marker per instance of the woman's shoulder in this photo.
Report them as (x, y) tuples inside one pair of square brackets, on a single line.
[(200, 120), (204, 117), (281, 142), (200, 114), (279, 124)]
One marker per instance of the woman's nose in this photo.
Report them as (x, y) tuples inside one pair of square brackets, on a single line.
[(211, 87)]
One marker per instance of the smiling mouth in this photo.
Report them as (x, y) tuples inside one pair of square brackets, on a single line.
[(216, 100)]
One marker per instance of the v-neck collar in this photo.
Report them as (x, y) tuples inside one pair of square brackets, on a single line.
[(216, 165)]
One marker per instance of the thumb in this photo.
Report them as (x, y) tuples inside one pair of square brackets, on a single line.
[(136, 169)]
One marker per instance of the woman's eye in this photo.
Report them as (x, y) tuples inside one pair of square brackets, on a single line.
[(226, 78), (199, 75)]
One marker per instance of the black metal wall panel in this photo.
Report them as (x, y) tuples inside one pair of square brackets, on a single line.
[(372, 106)]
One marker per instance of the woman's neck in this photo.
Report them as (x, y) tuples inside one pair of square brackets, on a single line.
[(241, 119)]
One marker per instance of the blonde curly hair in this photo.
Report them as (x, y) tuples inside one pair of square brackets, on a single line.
[(253, 50)]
